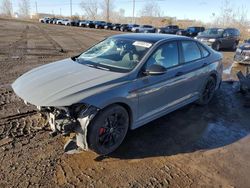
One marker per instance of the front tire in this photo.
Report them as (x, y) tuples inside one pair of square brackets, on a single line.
[(207, 92), (108, 129)]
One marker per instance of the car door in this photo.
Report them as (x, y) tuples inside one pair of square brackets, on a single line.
[(232, 37), (157, 94), (226, 40)]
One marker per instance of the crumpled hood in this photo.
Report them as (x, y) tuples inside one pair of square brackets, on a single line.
[(48, 85)]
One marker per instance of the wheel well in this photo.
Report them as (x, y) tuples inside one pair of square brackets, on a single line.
[(127, 108), (214, 76)]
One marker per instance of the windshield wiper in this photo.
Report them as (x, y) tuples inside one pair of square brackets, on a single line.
[(103, 68), (97, 67)]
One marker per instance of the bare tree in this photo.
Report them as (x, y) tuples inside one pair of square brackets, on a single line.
[(24, 8), (231, 16), (90, 8), (6, 8), (107, 7), (151, 9), (118, 16)]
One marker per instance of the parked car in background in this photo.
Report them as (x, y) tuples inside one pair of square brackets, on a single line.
[(90, 24), (128, 27), (62, 21), (55, 20), (123, 26), (71, 22), (138, 77), (100, 24), (143, 29), (170, 29), (108, 25), (50, 21), (242, 54), (191, 31), (116, 26), (44, 20), (83, 23), (219, 38)]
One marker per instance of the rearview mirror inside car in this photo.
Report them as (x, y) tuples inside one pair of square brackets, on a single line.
[(155, 69)]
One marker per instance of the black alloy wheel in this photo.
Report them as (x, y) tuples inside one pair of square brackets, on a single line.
[(108, 129)]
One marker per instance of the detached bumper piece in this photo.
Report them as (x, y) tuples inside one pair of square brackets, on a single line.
[(244, 81), (245, 87), (62, 123)]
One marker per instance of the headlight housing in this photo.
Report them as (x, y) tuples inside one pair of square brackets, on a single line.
[(211, 40), (246, 52)]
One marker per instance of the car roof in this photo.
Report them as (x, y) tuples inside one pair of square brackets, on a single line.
[(148, 37)]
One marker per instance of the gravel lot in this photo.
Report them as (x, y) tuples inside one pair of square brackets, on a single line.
[(192, 147)]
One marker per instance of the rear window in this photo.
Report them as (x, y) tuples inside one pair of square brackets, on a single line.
[(191, 51)]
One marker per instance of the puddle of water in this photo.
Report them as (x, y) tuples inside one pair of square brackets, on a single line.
[(220, 134)]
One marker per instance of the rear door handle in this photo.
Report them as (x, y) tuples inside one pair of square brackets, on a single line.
[(179, 74)]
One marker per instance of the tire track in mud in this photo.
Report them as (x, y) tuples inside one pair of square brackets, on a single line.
[(67, 35), (162, 174), (15, 54), (17, 120), (45, 34)]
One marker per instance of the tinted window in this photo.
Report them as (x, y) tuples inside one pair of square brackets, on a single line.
[(191, 51), (166, 55), (191, 29), (147, 26), (235, 32)]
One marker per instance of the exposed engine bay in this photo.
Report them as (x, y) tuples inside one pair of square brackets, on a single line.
[(65, 120)]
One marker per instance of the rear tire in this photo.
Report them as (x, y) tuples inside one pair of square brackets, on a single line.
[(108, 129), (207, 92)]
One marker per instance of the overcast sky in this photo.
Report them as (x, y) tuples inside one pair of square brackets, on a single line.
[(182, 9)]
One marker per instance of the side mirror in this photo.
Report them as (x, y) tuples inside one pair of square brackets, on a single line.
[(155, 69)]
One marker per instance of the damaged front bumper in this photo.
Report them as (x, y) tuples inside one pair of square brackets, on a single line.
[(62, 121)]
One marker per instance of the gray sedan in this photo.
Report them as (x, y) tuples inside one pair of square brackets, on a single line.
[(121, 83)]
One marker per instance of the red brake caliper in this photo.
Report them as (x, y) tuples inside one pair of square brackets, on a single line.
[(102, 131)]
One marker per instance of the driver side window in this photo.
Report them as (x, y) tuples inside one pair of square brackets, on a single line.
[(166, 55)]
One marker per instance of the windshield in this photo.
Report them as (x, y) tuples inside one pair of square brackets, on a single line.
[(213, 31), (191, 29), (114, 54)]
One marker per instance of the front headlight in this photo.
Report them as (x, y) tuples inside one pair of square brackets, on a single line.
[(211, 40), (195, 38), (246, 57)]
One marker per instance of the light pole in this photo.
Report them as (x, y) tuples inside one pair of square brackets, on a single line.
[(133, 11), (70, 8)]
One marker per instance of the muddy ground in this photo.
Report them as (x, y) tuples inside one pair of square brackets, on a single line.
[(192, 147)]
